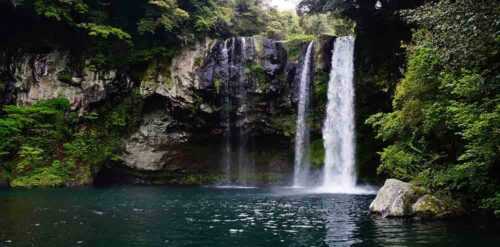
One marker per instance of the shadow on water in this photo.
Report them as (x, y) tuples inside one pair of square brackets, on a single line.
[(161, 216)]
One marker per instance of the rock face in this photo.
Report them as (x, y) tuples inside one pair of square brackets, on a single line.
[(394, 199), (400, 199), (47, 76), (152, 147), (241, 87), (177, 80), (240, 81)]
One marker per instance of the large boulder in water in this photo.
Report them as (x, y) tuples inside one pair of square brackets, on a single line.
[(400, 199), (394, 199)]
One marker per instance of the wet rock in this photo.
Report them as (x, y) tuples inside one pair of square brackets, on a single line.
[(394, 199), (275, 57), (429, 206), (7, 91), (152, 147)]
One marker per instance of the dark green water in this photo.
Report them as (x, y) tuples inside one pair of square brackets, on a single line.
[(160, 216)]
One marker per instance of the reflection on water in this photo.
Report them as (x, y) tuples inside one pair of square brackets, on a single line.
[(158, 216)]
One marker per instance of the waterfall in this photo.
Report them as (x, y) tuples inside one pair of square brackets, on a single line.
[(339, 174), (235, 97), (302, 162), (226, 116), (246, 164)]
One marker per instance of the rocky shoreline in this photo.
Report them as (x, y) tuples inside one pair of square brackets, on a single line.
[(400, 199)]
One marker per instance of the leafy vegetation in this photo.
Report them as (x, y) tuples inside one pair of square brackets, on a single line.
[(445, 126), (47, 144)]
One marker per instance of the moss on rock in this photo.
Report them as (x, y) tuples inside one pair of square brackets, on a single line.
[(431, 206), (317, 153)]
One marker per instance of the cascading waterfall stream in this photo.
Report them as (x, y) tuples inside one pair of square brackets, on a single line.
[(245, 161), (235, 86), (339, 175), (302, 162), (226, 112)]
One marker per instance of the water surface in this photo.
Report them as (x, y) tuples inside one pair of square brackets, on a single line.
[(161, 216)]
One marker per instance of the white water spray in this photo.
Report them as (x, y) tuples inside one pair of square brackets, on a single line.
[(302, 162)]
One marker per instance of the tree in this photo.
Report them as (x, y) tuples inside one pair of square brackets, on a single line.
[(445, 127)]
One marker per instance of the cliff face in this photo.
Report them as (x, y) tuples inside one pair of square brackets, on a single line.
[(211, 95), (34, 77), (218, 88)]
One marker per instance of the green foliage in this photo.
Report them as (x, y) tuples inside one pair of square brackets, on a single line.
[(104, 31), (282, 24), (317, 153), (398, 162), (295, 44), (257, 72), (48, 145), (60, 10), (247, 18), (445, 126), (164, 14), (493, 204), (42, 177), (29, 159), (119, 33), (464, 33), (320, 94), (286, 124), (330, 24)]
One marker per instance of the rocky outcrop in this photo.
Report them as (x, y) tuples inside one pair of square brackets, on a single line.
[(177, 80), (247, 75), (400, 199), (429, 206), (152, 147), (394, 199), (51, 75)]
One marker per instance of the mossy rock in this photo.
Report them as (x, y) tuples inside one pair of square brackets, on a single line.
[(81, 176), (430, 206), (66, 76), (284, 124), (317, 152)]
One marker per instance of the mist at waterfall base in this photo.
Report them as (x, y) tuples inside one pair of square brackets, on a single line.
[(338, 174)]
